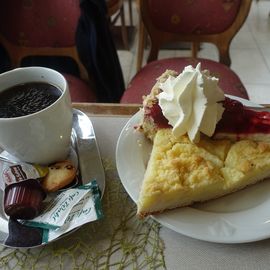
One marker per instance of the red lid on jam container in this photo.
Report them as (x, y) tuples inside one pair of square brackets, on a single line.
[(23, 200)]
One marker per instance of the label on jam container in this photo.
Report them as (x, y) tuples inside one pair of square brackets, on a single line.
[(68, 210), (14, 173)]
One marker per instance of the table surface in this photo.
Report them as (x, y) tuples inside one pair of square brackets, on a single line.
[(182, 252), (114, 243)]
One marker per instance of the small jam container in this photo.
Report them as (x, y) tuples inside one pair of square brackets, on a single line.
[(23, 200)]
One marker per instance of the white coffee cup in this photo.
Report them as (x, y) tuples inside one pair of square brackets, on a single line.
[(42, 137)]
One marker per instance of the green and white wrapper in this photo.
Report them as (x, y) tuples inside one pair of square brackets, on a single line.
[(68, 210)]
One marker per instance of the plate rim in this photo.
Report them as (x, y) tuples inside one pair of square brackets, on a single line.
[(163, 218)]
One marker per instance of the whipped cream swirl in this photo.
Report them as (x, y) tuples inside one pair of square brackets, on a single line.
[(191, 102)]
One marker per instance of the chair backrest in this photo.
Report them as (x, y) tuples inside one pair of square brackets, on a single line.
[(213, 21), (40, 28), (113, 6)]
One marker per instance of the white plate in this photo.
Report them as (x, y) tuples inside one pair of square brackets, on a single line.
[(237, 218)]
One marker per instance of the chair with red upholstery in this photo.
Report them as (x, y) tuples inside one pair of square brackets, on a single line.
[(45, 28), (207, 21)]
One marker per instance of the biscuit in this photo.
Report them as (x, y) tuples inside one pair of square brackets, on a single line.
[(60, 174)]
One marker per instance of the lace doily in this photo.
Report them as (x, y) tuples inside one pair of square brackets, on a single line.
[(118, 241)]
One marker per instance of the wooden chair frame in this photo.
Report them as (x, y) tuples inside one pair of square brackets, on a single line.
[(221, 40), (18, 52), (118, 7)]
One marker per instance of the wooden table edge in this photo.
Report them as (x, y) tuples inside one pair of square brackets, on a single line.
[(108, 108), (111, 109)]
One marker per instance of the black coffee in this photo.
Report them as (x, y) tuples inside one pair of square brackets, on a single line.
[(24, 99)]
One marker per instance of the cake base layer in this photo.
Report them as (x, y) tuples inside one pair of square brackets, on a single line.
[(180, 173)]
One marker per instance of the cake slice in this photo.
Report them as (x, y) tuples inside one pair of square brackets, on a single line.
[(180, 173)]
